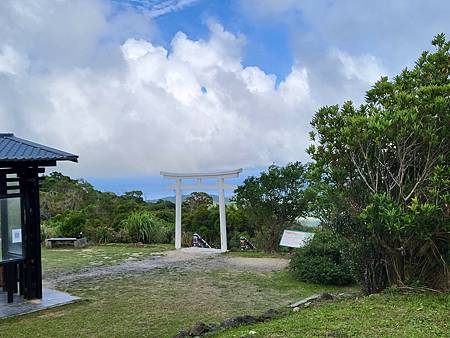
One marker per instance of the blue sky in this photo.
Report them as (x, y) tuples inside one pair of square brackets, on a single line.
[(269, 43), (135, 87), (155, 187)]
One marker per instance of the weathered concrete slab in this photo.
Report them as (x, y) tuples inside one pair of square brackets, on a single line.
[(306, 300), (201, 250), (65, 241), (50, 298), (312, 299)]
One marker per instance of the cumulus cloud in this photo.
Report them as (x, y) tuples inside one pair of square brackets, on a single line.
[(103, 89), (366, 67), (395, 31), (192, 107)]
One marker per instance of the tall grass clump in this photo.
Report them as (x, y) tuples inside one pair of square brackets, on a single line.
[(144, 227)]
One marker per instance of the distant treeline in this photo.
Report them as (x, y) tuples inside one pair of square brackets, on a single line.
[(70, 207)]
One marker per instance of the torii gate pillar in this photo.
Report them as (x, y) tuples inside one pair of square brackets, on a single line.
[(178, 200), (220, 186), (222, 216)]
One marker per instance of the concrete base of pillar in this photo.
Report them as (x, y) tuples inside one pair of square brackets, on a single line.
[(202, 250)]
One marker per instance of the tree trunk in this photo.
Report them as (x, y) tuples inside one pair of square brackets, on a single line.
[(272, 241)]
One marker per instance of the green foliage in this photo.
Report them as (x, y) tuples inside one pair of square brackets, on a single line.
[(201, 216), (50, 228), (72, 224), (143, 227), (196, 200), (274, 200), (323, 260), (381, 174), (71, 206)]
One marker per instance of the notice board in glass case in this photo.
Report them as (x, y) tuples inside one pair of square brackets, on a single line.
[(11, 220)]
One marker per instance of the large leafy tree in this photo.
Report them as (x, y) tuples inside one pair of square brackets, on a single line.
[(382, 172), (196, 200), (274, 200)]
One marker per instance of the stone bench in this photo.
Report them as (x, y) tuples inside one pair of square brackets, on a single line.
[(71, 241)]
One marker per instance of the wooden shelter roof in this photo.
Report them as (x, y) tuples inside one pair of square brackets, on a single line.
[(16, 150)]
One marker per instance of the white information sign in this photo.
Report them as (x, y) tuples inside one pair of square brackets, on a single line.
[(17, 236), (295, 239)]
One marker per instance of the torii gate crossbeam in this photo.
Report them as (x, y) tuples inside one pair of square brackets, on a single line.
[(220, 186)]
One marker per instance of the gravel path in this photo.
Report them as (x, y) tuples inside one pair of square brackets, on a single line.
[(174, 260)]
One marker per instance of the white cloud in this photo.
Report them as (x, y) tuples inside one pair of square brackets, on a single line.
[(366, 67), (12, 62), (223, 50), (155, 8), (80, 77), (134, 107), (295, 89), (395, 31), (258, 81)]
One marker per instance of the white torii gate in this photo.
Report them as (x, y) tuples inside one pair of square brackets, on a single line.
[(220, 186)]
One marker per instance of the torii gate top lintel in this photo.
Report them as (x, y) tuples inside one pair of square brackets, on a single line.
[(220, 186), (222, 174)]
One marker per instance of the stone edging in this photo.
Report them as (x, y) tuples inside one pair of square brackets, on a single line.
[(200, 328)]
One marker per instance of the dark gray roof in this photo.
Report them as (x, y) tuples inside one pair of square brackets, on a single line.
[(14, 149)]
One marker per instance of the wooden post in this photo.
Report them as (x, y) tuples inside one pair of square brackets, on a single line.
[(32, 284), (2, 281), (3, 217), (10, 280)]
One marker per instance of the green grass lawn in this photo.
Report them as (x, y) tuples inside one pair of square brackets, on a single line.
[(385, 315), (159, 303), (152, 304), (64, 259)]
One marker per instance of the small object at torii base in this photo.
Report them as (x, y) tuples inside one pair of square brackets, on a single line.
[(245, 244), (199, 242), (220, 186)]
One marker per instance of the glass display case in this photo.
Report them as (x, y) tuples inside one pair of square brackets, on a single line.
[(11, 220), (21, 164)]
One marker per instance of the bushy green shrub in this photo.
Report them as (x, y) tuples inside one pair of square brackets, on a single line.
[(323, 260), (104, 234), (72, 223), (50, 229), (142, 226)]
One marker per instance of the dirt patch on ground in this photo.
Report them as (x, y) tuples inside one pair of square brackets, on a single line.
[(256, 264), (173, 260)]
